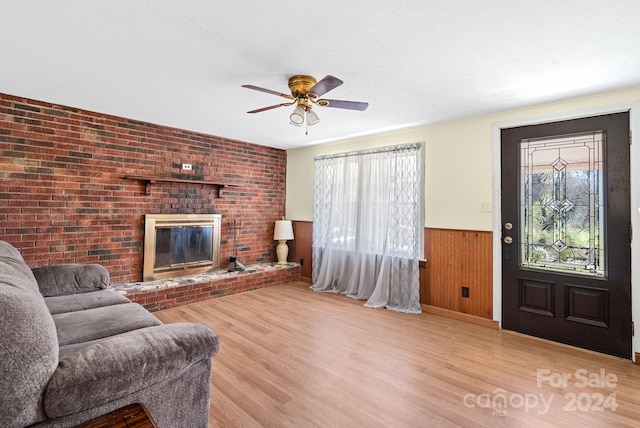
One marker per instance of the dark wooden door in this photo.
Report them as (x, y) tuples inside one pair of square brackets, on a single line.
[(566, 232)]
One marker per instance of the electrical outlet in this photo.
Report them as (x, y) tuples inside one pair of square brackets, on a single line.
[(186, 166), (465, 291), (301, 262)]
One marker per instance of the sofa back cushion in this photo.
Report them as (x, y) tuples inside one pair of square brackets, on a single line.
[(15, 267), (66, 279), (28, 342)]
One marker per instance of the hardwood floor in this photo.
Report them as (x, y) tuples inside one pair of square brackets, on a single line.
[(291, 357)]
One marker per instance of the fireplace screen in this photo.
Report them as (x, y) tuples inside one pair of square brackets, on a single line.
[(184, 244), (177, 244)]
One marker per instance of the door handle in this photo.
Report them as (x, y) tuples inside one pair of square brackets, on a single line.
[(508, 240)]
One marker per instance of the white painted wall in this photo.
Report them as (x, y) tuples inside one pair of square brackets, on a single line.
[(459, 180), (458, 159)]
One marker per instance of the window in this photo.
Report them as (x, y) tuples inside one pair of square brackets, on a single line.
[(368, 215)]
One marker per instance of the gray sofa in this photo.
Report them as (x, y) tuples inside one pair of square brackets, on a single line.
[(71, 350)]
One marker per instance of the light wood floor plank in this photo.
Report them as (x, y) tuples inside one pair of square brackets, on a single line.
[(290, 357)]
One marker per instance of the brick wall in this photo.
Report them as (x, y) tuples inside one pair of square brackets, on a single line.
[(63, 198)]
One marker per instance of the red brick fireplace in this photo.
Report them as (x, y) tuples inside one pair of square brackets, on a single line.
[(64, 197)]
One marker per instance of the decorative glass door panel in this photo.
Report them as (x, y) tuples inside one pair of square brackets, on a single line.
[(561, 204)]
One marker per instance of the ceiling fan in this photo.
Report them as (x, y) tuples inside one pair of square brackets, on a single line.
[(305, 93)]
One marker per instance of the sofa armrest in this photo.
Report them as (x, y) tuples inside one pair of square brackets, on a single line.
[(126, 363), (63, 279)]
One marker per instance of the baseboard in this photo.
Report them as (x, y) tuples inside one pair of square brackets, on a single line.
[(637, 359), (472, 319), (305, 279)]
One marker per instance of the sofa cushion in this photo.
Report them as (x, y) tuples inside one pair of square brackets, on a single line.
[(83, 301), (15, 270), (28, 342), (119, 366), (67, 350), (8, 250), (62, 279), (91, 324)]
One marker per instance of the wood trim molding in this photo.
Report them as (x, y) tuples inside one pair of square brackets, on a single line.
[(472, 319)]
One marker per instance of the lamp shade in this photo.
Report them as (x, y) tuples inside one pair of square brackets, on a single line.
[(312, 118), (297, 117), (283, 230)]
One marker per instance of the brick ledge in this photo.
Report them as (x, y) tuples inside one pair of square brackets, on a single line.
[(163, 294)]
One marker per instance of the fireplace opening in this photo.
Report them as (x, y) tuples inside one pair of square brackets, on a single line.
[(180, 244)]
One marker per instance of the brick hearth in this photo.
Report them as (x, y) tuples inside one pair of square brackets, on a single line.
[(168, 293)]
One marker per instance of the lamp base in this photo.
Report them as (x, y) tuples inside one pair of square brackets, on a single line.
[(282, 251)]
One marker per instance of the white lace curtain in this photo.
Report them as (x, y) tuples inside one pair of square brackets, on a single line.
[(368, 226)]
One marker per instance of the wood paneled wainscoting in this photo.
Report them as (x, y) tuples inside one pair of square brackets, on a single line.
[(455, 259), (300, 248)]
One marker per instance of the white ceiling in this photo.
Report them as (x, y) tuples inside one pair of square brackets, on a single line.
[(181, 63)]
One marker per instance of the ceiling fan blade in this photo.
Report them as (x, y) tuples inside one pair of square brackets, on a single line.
[(266, 108), (349, 105), (268, 91), (325, 85)]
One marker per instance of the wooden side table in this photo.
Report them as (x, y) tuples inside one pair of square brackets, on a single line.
[(131, 416)]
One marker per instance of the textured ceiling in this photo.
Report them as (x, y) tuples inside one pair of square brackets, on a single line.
[(182, 63)]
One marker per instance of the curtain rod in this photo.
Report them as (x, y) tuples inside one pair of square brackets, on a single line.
[(396, 148)]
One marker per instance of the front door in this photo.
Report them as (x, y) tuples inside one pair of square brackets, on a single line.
[(566, 232)]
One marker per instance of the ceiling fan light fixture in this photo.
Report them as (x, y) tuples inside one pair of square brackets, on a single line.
[(312, 117), (297, 116), (306, 93)]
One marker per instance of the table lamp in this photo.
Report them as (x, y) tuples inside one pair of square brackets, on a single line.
[(281, 233)]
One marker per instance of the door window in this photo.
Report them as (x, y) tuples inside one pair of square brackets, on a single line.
[(561, 204)]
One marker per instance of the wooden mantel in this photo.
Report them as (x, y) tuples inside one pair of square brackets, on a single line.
[(148, 180)]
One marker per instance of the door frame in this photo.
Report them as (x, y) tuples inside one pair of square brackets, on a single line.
[(634, 122)]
